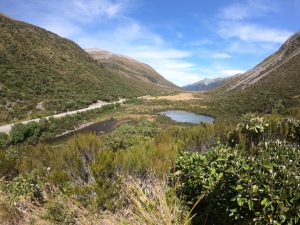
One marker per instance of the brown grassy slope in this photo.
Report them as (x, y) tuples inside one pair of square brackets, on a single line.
[(130, 67)]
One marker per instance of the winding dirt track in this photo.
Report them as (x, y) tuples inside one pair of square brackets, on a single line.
[(6, 128)]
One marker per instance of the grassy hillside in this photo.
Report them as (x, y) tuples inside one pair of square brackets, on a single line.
[(277, 88), (42, 73), (129, 67)]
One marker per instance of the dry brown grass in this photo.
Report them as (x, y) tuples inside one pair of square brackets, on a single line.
[(25, 212), (148, 204), (145, 203), (179, 97), (8, 214)]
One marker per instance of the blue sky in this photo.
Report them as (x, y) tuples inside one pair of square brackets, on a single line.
[(183, 40)]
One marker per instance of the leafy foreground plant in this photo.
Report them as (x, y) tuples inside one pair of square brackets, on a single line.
[(240, 189)]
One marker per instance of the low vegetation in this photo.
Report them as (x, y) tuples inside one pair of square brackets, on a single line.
[(253, 179), (179, 173)]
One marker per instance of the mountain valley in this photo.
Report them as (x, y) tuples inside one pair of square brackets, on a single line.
[(91, 137)]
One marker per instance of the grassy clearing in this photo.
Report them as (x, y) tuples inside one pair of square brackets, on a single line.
[(178, 97)]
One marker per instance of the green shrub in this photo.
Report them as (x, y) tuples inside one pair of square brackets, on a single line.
[(262, 189), (107, 182), (9, 159), (3, 140), (58, 213), (294, 130), (29, 132), (252, 127), (26, 186), (76, 156)]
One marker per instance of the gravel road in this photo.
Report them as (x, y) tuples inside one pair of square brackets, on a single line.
[(6, 128)]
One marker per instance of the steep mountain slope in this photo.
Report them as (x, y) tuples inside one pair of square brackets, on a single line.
[(273, 85), (206, 84), (283, 57), (42, 73), (129, 67)]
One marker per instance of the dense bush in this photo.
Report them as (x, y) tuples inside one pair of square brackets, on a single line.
[(25, 132), (252, 127), (262, 189), (242, 188), (3, 140), (293, 130)]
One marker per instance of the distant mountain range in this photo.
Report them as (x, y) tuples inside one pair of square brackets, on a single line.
[(42, 73), (206, 84)]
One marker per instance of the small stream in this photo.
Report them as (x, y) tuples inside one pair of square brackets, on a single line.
[(98, 128)]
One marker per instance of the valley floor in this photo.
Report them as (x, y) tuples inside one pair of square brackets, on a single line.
[(152, 170)]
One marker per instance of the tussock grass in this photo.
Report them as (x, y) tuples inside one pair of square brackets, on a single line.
[(147, 203), (144, 202), (60, 210)]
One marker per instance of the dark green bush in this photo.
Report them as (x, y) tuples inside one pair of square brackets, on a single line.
[(29, 132), (252, 127), (294, 130), (58, 213), (243, 188), (3, 140), (262, 189)]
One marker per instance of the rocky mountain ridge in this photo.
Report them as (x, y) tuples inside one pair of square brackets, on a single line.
[(286, 52), (206, 84)]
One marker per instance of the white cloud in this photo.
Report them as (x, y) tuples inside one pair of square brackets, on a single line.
[(217, 69), (257, 49), (87, 11), (60, 26), (235, 24), (231, 72), (220, 55), (69, 18), (234, 12), (248, 9), (182, 77), (148, 52), (132, 39), (105, 24), (210, 54), (252, 32)]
